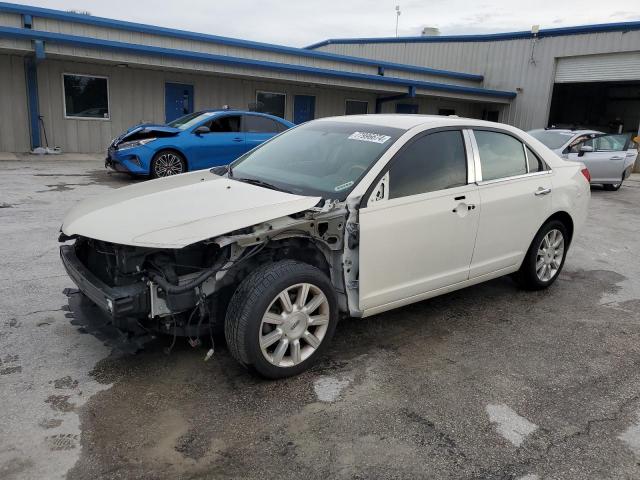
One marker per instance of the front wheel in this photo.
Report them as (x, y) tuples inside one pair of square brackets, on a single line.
[(281, 318), (166, 163), (545, 258)]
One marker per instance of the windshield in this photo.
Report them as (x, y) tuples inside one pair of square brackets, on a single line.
[(324, 158), (552, 138), (188, 121)]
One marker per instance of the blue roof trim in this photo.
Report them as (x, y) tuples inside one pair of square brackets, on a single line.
[(492, 37), (203, 37), (86, 42)]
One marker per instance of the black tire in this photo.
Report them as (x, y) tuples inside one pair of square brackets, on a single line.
[(527, 277), (160, 160), (612, 187), (252, 299)]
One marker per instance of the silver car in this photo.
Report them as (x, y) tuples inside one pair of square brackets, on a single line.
[(609, 157)]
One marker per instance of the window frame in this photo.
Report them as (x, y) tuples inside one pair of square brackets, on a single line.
[(347, 100), (468, 151), (283, 94), (64, 97), (220, 117), (478, 165)]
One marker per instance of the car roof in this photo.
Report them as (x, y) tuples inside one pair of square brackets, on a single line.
[(566, 130), (409, 121)]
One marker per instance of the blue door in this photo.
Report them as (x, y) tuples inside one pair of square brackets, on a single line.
[(178, 100), (220, 146), (406, 108), (304, 108)]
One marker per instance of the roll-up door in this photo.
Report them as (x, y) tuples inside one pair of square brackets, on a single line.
[(599, 68)]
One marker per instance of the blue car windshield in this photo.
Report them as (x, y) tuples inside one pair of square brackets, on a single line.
[(188, 121), (322, 158)]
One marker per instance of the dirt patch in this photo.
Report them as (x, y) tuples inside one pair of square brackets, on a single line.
[(65, 382), (60, 403)]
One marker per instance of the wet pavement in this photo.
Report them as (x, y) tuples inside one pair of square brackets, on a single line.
[(485, 383)]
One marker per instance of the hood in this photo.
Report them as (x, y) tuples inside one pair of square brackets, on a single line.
[(146, 130), (176, 211)]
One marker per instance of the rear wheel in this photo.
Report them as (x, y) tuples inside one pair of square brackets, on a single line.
[(281, 318), (166, 163), (545, 257), (612, 187)]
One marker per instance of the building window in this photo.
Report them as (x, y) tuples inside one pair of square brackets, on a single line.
[(356, 107), (271, 103), (86, 96)]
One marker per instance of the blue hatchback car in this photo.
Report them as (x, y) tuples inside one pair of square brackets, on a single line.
[(198, 140)]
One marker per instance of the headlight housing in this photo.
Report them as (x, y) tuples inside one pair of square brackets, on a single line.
[(135, 143)]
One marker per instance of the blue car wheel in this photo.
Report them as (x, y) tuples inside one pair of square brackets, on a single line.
[(166, 163)]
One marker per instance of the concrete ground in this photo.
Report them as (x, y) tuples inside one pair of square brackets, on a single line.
[(485, 383)]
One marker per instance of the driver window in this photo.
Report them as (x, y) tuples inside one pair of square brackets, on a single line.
[(579, 143), (226, 124), (433, 162)]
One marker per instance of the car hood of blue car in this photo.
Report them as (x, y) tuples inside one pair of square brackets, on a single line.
[(146, 130)]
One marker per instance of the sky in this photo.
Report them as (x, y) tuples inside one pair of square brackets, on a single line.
[(301, 22)]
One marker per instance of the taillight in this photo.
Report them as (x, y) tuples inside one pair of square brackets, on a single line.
[(587, 175)]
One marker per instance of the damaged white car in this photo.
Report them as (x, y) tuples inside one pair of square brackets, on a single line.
[(340, 216)]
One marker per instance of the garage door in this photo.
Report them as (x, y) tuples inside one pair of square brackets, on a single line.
[(599, 68)]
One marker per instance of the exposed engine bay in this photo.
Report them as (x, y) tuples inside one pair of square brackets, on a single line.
[(184, 292)]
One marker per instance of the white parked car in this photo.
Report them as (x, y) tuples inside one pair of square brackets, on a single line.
[(609, 157), (340, 216)]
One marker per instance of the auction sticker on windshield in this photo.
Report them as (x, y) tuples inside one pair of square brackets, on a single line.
[(369, 137)]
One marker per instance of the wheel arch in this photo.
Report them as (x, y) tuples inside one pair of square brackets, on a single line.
[(170, 148), (563, 217)]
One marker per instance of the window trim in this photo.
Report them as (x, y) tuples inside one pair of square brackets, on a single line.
[(396, 155), (355, 100), (478, 166), (64, 98), (284, 94)]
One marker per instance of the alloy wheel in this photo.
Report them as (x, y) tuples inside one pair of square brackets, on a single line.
[(294, 325), (168, 164), (550, 254)]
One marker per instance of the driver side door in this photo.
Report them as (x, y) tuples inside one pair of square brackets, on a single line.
[(606, 160), (220, 146), (418, 235)]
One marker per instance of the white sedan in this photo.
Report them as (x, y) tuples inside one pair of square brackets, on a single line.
[(609, 157), (339, 216)]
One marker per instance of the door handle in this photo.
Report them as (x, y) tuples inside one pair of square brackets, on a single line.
[(237, 139), (542, 191), (617, 158)]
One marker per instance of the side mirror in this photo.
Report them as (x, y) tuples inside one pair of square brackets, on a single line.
[(202, 129), (585, 149)]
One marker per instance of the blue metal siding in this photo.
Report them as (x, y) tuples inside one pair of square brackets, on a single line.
[(10, 32)]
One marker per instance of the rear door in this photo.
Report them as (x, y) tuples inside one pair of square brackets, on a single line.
[(417, 235), (258, 129), (515, 195), (606, 161)]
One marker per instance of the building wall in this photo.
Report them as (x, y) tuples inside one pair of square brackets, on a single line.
[(14, 123), (136, 95), (527, 65)]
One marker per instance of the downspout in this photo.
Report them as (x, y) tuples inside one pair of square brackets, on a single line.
[(31, 77), (411, 93)]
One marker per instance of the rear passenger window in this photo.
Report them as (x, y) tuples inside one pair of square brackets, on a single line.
[(433, 162), (257, 124), (501, 155), (535, 164)]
